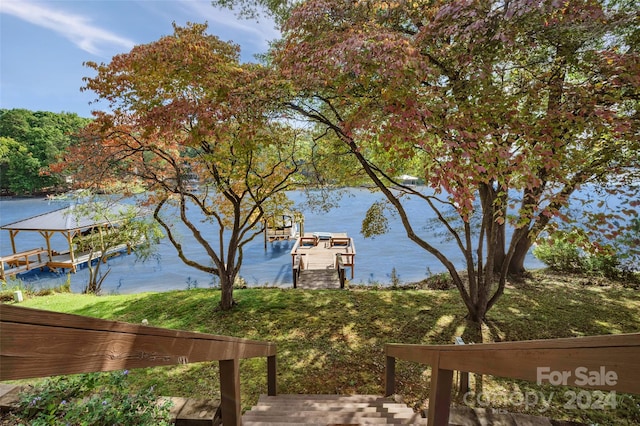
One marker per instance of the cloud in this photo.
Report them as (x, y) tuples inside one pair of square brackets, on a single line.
[(77, 28)]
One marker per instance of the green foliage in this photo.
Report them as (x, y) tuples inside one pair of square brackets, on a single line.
[(29, 143), (559, 255), (574, 252), (395, 279), (123, 226), (439, 281), (92, 399), (628, 246), (375, 221)]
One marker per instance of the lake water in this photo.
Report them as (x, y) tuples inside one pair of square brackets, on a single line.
[(375, 260)]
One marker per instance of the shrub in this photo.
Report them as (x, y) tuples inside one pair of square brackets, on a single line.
[(439, 281), (97, 399), (559, 255), (574, 252)]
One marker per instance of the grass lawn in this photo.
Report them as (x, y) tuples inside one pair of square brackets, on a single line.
[(333, 341)]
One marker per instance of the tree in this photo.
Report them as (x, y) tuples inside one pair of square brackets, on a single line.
[(508, 107), (199, 132), (120, 227), (253, 9), (19, 169), (37, 138)]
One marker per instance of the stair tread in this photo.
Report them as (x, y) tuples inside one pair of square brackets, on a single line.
[(327, 409), (330, 413), (276, 423), (321, 409), (321, 404), (328, 421), (324, 397)]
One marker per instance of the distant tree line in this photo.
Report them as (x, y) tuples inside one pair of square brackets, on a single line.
[(31, 141)]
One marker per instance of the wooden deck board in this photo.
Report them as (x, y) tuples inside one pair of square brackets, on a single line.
[(63, 261), (318, 255), (20, 262)]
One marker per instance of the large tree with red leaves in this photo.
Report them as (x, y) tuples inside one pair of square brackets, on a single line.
[(199, 132), (507, 108)]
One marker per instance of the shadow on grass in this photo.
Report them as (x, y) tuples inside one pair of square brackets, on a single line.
[(333, 341)]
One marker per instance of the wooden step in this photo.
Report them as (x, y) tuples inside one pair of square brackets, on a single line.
[(315, 279), (329, 410)]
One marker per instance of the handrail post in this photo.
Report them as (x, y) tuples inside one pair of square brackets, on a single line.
[(230, 392), (340, 269), (463, 376), (440, 394), (272, 365), (297, 265), (390, 376)]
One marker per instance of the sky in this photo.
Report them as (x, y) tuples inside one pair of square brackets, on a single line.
[(43, 44)]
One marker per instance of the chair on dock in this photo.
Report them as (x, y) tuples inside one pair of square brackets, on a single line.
[(339, 242), (308, 241)]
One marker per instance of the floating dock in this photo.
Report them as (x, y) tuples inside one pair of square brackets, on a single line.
[(319, 260)]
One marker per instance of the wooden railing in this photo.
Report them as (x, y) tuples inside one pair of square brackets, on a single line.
[(21, 262), (35, 343), (298, 266), (598, 362), (341, 271)]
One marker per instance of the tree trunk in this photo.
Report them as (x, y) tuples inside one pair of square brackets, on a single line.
[(477, 315), (499, 252), (516, 265), (226, 288)]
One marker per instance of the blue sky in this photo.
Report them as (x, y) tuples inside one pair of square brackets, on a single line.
[(44, 43)]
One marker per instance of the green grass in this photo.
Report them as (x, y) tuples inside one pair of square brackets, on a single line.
[(333, 341)]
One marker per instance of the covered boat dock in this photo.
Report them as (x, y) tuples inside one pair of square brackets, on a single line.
[(75, 226)]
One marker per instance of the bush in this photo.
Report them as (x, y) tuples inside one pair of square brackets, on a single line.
[(97, 399), (559, 255), (573, 252)]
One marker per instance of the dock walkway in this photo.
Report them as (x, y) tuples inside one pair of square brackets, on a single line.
[(65, 261), (23, 261), (319, 260), (29, 260)]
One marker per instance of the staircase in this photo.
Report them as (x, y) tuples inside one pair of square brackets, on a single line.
[(290, 410), (315, 279)]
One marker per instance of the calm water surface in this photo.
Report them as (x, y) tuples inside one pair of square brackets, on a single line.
[(375, 259)]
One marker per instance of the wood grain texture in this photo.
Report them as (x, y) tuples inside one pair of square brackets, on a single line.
[(593, 355), (35, 343)]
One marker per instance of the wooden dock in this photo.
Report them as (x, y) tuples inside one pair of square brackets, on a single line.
[(79, 229), (23, 261), (29, 260), (66, 261), (319, 260)]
